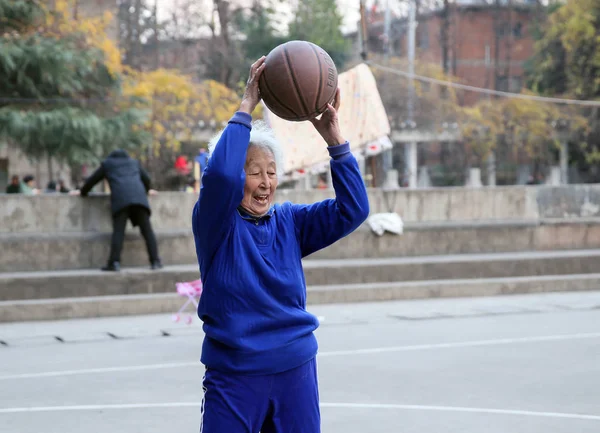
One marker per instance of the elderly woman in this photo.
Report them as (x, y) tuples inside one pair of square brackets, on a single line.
[(259, 349)]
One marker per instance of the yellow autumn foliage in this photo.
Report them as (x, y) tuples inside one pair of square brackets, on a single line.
[(177, 104), (521, 124), (60, 22)]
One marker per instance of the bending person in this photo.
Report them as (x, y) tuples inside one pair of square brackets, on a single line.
[(129, 185)]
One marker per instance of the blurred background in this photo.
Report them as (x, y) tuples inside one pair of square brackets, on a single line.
[(484, 187), (158, 77)]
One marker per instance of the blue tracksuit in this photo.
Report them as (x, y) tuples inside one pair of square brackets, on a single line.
[(253, 303)]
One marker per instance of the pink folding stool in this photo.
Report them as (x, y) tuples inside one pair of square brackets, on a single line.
[(192, 291)]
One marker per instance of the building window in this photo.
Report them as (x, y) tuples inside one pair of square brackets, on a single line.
[(398, 47), (423, 36), (504, 29), (518, 30), (513, 85)]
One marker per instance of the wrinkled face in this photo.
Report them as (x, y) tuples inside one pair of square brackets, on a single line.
[(261, 181)]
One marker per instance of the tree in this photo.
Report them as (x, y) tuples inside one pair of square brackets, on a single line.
[(567, 55), (566, 63), (60, 85), (136, 22), (520, 129), (256, 26), (176, 105), (319, 22), (433, 104)]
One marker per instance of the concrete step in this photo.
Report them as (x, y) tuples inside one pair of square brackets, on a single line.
[(92, 282), (122, 305), (421, 268), (62, 251), (46, 252)]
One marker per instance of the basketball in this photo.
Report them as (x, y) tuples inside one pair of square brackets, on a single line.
[(299, 80)]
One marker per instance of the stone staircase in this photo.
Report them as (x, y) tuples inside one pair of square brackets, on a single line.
[(53, 294), (54, 274)]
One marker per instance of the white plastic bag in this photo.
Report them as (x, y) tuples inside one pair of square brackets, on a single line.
[(382, 222)]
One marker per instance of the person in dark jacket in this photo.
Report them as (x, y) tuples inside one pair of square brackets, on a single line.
[(129, 185), (15, 186)]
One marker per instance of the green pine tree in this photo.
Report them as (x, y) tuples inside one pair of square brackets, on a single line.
[(58, 97)]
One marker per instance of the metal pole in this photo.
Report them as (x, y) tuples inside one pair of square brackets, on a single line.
[(412, 146), (412, 26), (564, 162), (388, 157), (491, 169)]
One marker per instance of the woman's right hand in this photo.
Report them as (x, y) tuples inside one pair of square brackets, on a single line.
[(251, 96)]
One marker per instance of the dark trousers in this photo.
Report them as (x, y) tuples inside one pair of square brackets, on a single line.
[(286, 402), (139, 216)]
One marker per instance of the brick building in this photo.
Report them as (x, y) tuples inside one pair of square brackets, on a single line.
[(487, 45)]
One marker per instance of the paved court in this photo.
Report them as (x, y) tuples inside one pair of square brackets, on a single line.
[(523, 364)]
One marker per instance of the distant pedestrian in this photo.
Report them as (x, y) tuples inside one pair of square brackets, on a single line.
[(202, 159), (28, 186), (15, 185), (51, 187), (62, 186), (129, 185)]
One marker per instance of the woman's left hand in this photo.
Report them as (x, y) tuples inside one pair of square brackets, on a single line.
[(328, 125), (251, 96)]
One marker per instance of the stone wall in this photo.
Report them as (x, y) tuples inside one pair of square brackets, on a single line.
[(172, 210), (62, 232)]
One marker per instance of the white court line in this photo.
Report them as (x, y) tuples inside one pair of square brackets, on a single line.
[(323, 405), (461, 409), (475, 343)]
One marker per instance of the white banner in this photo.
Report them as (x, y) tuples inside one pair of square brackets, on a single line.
[(363, 122)]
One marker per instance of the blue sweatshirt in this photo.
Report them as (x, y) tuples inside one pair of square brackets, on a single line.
[(253, 304)]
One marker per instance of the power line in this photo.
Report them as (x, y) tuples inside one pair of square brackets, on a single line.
[(482, 90)]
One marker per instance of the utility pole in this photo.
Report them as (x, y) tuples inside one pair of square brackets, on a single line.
[(411, 149), (362, 31), (386, 32), (387, 157), (156, 43)]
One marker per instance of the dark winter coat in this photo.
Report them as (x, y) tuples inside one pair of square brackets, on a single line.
[(129, 182)]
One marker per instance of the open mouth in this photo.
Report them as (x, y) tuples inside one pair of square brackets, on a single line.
[(262, 198)]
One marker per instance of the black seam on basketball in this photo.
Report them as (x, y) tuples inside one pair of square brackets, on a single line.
[(274, 96), (289, 64), (320, 78)]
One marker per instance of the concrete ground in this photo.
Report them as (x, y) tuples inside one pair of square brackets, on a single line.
[(520, 364)]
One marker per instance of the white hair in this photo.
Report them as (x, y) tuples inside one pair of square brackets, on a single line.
[(261, 136)]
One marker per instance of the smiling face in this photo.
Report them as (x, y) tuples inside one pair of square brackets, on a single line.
[(261, 180)]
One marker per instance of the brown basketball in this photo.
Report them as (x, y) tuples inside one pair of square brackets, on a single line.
[(299, 80)]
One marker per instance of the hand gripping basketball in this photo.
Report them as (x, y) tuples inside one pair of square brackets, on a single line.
[(328, 124), (251, 96)]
